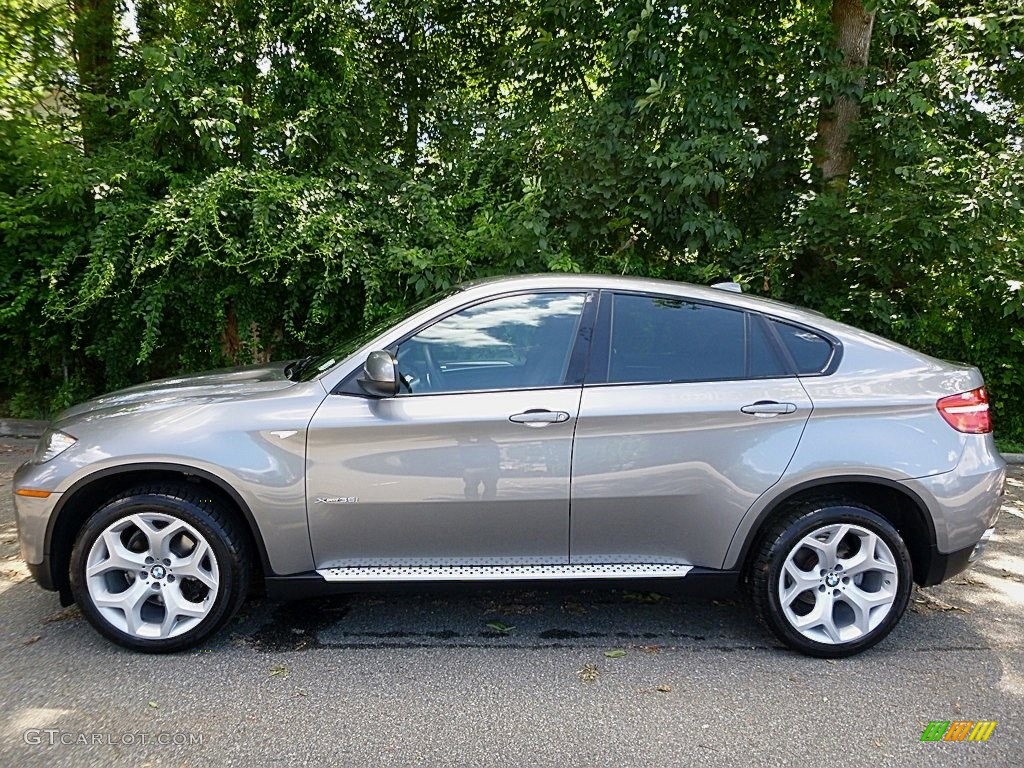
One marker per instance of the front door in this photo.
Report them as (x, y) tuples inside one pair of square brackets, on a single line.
[(470, 464)]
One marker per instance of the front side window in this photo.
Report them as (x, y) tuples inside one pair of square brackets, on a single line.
[(514, 342)]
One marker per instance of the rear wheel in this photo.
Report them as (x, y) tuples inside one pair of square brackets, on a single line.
[(831, 578), (159, 569)]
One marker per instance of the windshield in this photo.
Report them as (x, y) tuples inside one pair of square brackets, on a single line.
[(310, 367)]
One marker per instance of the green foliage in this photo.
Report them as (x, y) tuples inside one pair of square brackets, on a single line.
[(274, 176)]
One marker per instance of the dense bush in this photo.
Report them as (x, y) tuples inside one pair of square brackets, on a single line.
[(241, 181)]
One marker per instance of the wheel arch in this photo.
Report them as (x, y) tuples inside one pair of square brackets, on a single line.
[(87, 494), (901, 506)]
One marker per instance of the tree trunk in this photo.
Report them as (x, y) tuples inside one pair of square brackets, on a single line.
[(93, 44), (853, 25)]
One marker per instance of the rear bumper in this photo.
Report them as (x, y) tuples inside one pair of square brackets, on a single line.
[(963, 503)]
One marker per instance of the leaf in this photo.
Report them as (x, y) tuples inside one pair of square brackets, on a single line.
[(279, 671), (500, 626), (663, 688), (154, 705), (643, 597), (615, 653), (588, 673)]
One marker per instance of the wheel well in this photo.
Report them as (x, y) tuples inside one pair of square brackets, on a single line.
[(899, 506), (79, 503)]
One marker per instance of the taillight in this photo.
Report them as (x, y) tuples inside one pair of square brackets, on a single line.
[(967, 412)]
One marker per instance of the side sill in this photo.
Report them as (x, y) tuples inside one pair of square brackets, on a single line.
[(700, 583)]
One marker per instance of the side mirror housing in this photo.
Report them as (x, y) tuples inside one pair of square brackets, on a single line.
[(380, 375)]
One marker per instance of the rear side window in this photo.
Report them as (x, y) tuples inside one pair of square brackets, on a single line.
[(656, 339), (810, 351)]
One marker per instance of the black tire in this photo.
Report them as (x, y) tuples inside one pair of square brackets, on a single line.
[(210, 519), (779, 541)]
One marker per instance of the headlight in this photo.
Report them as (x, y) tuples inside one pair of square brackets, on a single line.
[(52, 445)]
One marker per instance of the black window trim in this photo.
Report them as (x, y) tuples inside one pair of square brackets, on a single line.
[(600, 356), (578, 356)]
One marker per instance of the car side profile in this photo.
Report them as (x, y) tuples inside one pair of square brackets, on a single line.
[(529, 429)]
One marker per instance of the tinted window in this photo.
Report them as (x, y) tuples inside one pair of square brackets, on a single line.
[(763, 359), (810, 352), (515, 342), (658, 339)]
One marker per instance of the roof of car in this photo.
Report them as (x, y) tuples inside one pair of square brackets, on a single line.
[(650, 285)]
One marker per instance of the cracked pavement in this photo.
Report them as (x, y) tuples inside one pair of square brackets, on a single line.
[(560, 677)]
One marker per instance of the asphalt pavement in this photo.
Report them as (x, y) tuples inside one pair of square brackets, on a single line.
[(514, 678)]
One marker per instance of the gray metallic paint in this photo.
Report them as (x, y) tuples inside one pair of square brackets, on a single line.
[(662, 473), (442, 477), (665, 472)]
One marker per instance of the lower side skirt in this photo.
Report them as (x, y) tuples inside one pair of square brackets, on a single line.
[(697, 582)]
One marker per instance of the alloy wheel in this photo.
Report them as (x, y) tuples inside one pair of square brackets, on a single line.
[(152, 575), (838, 583)]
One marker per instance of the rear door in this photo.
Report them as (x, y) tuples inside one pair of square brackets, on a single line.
[(689, 412)]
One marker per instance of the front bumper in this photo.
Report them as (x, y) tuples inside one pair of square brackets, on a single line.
[(41, 573), (32, 516)]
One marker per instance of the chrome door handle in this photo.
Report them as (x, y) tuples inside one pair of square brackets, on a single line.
[(766, 408), (538, 417)]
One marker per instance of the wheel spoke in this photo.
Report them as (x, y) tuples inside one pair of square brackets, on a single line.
[(159, 537), (129, 602), (176, 606), (820, 617), (829, 625), (826, 549), (191, 565), (863, 602), (867, 558), (119, 557), (802, 581)]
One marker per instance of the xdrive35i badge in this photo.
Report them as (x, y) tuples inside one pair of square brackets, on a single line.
[(336, 499)]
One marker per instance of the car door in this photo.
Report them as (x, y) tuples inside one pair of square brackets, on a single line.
[(469, 464), (690, 411)]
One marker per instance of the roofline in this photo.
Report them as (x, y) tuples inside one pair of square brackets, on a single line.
[(654, 285)]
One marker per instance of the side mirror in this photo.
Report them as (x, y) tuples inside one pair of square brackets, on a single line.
[(380, 375)]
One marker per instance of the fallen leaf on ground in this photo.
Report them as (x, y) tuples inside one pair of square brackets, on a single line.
[(71, 612), (500, 626), (588, 673), (33, 639), (279, 671), (643, 597), (615, 653), (663, 688), (923, 598)]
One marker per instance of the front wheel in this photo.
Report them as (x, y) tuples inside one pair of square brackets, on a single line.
[(159, 569), (831, 578)]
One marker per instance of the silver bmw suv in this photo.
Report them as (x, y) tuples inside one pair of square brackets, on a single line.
[(529, 429)]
